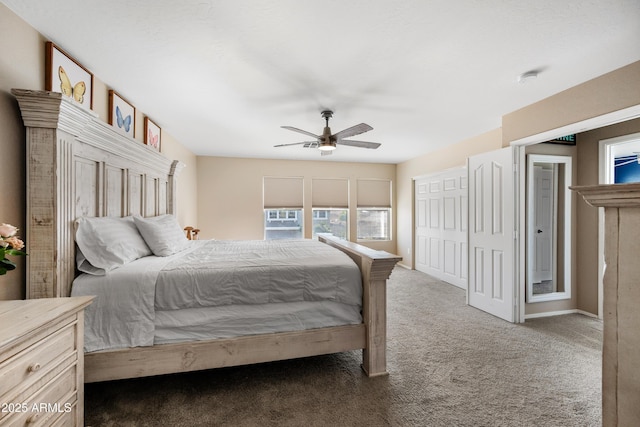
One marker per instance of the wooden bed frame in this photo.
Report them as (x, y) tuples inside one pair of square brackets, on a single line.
[(80, 166)]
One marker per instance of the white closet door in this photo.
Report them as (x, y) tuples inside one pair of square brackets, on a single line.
[(441, 226)]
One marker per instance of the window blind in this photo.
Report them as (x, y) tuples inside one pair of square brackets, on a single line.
[(283, 192), (374, 193), (330, 193)]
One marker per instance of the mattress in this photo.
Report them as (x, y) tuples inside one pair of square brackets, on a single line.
[(216, 289)]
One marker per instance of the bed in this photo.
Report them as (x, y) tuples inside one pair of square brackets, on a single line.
[(79, 167)]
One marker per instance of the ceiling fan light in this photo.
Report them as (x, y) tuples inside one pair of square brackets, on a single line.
[(326, 147)]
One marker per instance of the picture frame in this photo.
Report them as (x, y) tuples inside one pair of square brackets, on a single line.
[(122, 114), (152, 134), (66, 75)]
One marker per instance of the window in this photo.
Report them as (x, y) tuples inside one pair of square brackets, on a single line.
[(283, 217), (374, 209), (282, 224), (374, 223), (330, 220), (330, 201)]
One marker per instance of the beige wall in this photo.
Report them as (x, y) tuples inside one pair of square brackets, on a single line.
[(22, 66), (231, 205), (446, 158)]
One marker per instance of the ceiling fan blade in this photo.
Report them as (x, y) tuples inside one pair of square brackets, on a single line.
[(294, 143), (300, 131), (353, 131), (361, 144)]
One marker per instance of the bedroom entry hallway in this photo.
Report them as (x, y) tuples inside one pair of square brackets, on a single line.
[(449, 364)]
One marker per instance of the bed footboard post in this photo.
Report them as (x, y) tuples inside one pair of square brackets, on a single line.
[(375, 267)]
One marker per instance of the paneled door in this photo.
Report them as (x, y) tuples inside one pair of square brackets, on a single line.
[(492, 233), (441, 226), (543, 220)]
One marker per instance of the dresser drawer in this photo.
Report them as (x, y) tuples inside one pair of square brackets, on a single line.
[(57, 399), (33, 363)]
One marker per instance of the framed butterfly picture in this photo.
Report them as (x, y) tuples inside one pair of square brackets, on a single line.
[(64, 74), (122, 115), (152, 134)]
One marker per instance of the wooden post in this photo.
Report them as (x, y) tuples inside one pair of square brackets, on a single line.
[(375, 266)]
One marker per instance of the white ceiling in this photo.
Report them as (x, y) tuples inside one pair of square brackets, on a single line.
[(222, 76)]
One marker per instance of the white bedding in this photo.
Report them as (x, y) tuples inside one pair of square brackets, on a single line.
[(220, 274)]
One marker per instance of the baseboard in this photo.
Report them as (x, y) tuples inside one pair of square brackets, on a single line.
[(550, 313), (586, 313), (559, 313), (406, 267)]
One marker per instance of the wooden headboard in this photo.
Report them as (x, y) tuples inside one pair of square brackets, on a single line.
[(78, 165)]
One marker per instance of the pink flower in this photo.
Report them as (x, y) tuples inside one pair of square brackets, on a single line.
[(15, 243), (7, 230)]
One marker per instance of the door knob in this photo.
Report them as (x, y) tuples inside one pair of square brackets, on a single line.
[(539, 231)]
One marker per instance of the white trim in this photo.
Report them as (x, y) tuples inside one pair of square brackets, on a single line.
[(567, 204), (586, 313), (551, 313), (560, 313)]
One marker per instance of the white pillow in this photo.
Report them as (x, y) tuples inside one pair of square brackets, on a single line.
[(109, 242), (163, 234), (85, 266)]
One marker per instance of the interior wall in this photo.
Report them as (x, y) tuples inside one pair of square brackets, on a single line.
[(446, 158), (231, 202), (22, 65)]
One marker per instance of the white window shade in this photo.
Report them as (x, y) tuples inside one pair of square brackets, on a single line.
[(330, 193), (374, 193), (283, 192)]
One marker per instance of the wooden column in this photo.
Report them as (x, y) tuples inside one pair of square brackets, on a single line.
[(621, 340)]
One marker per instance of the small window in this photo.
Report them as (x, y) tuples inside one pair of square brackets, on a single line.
[(283, 224), (374, 224), (328, 220)]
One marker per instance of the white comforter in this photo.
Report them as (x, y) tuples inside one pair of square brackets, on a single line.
[(207, 274)]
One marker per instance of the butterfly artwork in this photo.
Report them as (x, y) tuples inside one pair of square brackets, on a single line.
[(76, 91), (152, 135), (124, 123), (152, 139), (121, 114), (64, 74)]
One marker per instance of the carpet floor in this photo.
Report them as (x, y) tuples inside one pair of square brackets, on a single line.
[(449, 365)]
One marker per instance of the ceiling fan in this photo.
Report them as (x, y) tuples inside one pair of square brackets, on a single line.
[(327, 142)]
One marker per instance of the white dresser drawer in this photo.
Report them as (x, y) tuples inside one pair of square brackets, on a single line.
[(42, 362), (33, 363), (48, 403)]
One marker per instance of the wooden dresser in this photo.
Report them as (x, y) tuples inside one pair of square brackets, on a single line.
[(42, 362)]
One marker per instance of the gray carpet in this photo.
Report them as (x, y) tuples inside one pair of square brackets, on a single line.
[(449, 365)]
